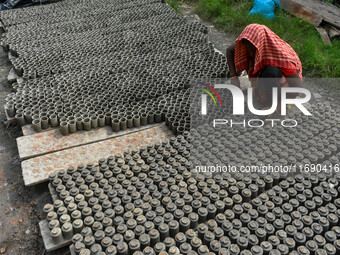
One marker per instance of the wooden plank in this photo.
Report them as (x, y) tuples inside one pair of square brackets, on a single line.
[(314, 11), (329, 12), (37, 170), (324, 35), (49, 244), (299, 10), (334, 33), (52, 140)]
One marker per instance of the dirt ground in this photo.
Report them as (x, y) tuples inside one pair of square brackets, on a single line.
[(20, 206), (17, 202)]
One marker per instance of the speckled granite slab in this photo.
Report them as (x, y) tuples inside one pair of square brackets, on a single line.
[(42, 143), (29, 130), (37, 170)]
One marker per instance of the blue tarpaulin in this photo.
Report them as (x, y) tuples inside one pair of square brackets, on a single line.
[(265, 8)]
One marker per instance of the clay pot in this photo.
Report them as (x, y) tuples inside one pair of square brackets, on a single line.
[(87, 124), (115, 125), (64, 128), (72, 126), (37, 125)]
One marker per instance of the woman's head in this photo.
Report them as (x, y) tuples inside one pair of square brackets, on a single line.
[(250, 48), (267, 48)]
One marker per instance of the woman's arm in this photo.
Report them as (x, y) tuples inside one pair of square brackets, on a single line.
[(231, 64), (294, 80)]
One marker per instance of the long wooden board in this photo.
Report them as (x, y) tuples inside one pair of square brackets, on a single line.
[(314, 11), (324, 35), (299, 10), (329, 12), (42, 143), (37, 170)]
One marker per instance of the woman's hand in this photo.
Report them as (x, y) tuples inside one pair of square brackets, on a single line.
[(231, 64), (235, 81), (277, 111)]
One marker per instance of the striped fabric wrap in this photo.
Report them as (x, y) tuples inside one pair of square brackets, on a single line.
[(271, 51)]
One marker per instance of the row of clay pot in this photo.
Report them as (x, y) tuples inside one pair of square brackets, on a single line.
[(113, 75), (157, 195), (59, 12)]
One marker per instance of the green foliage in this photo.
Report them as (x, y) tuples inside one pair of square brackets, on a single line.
[(318, 59), (174, 4)]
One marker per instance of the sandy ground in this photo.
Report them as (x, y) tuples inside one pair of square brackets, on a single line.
[(20, 206)]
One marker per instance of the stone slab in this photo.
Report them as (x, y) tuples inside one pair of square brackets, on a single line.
[(42, 143), (49, 244), (37, 170)]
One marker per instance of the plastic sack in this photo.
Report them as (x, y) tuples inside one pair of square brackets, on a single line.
[(265, 8)]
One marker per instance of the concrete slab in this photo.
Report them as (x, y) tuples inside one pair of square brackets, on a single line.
[(37, 170), (49, 244), (42, 143)]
